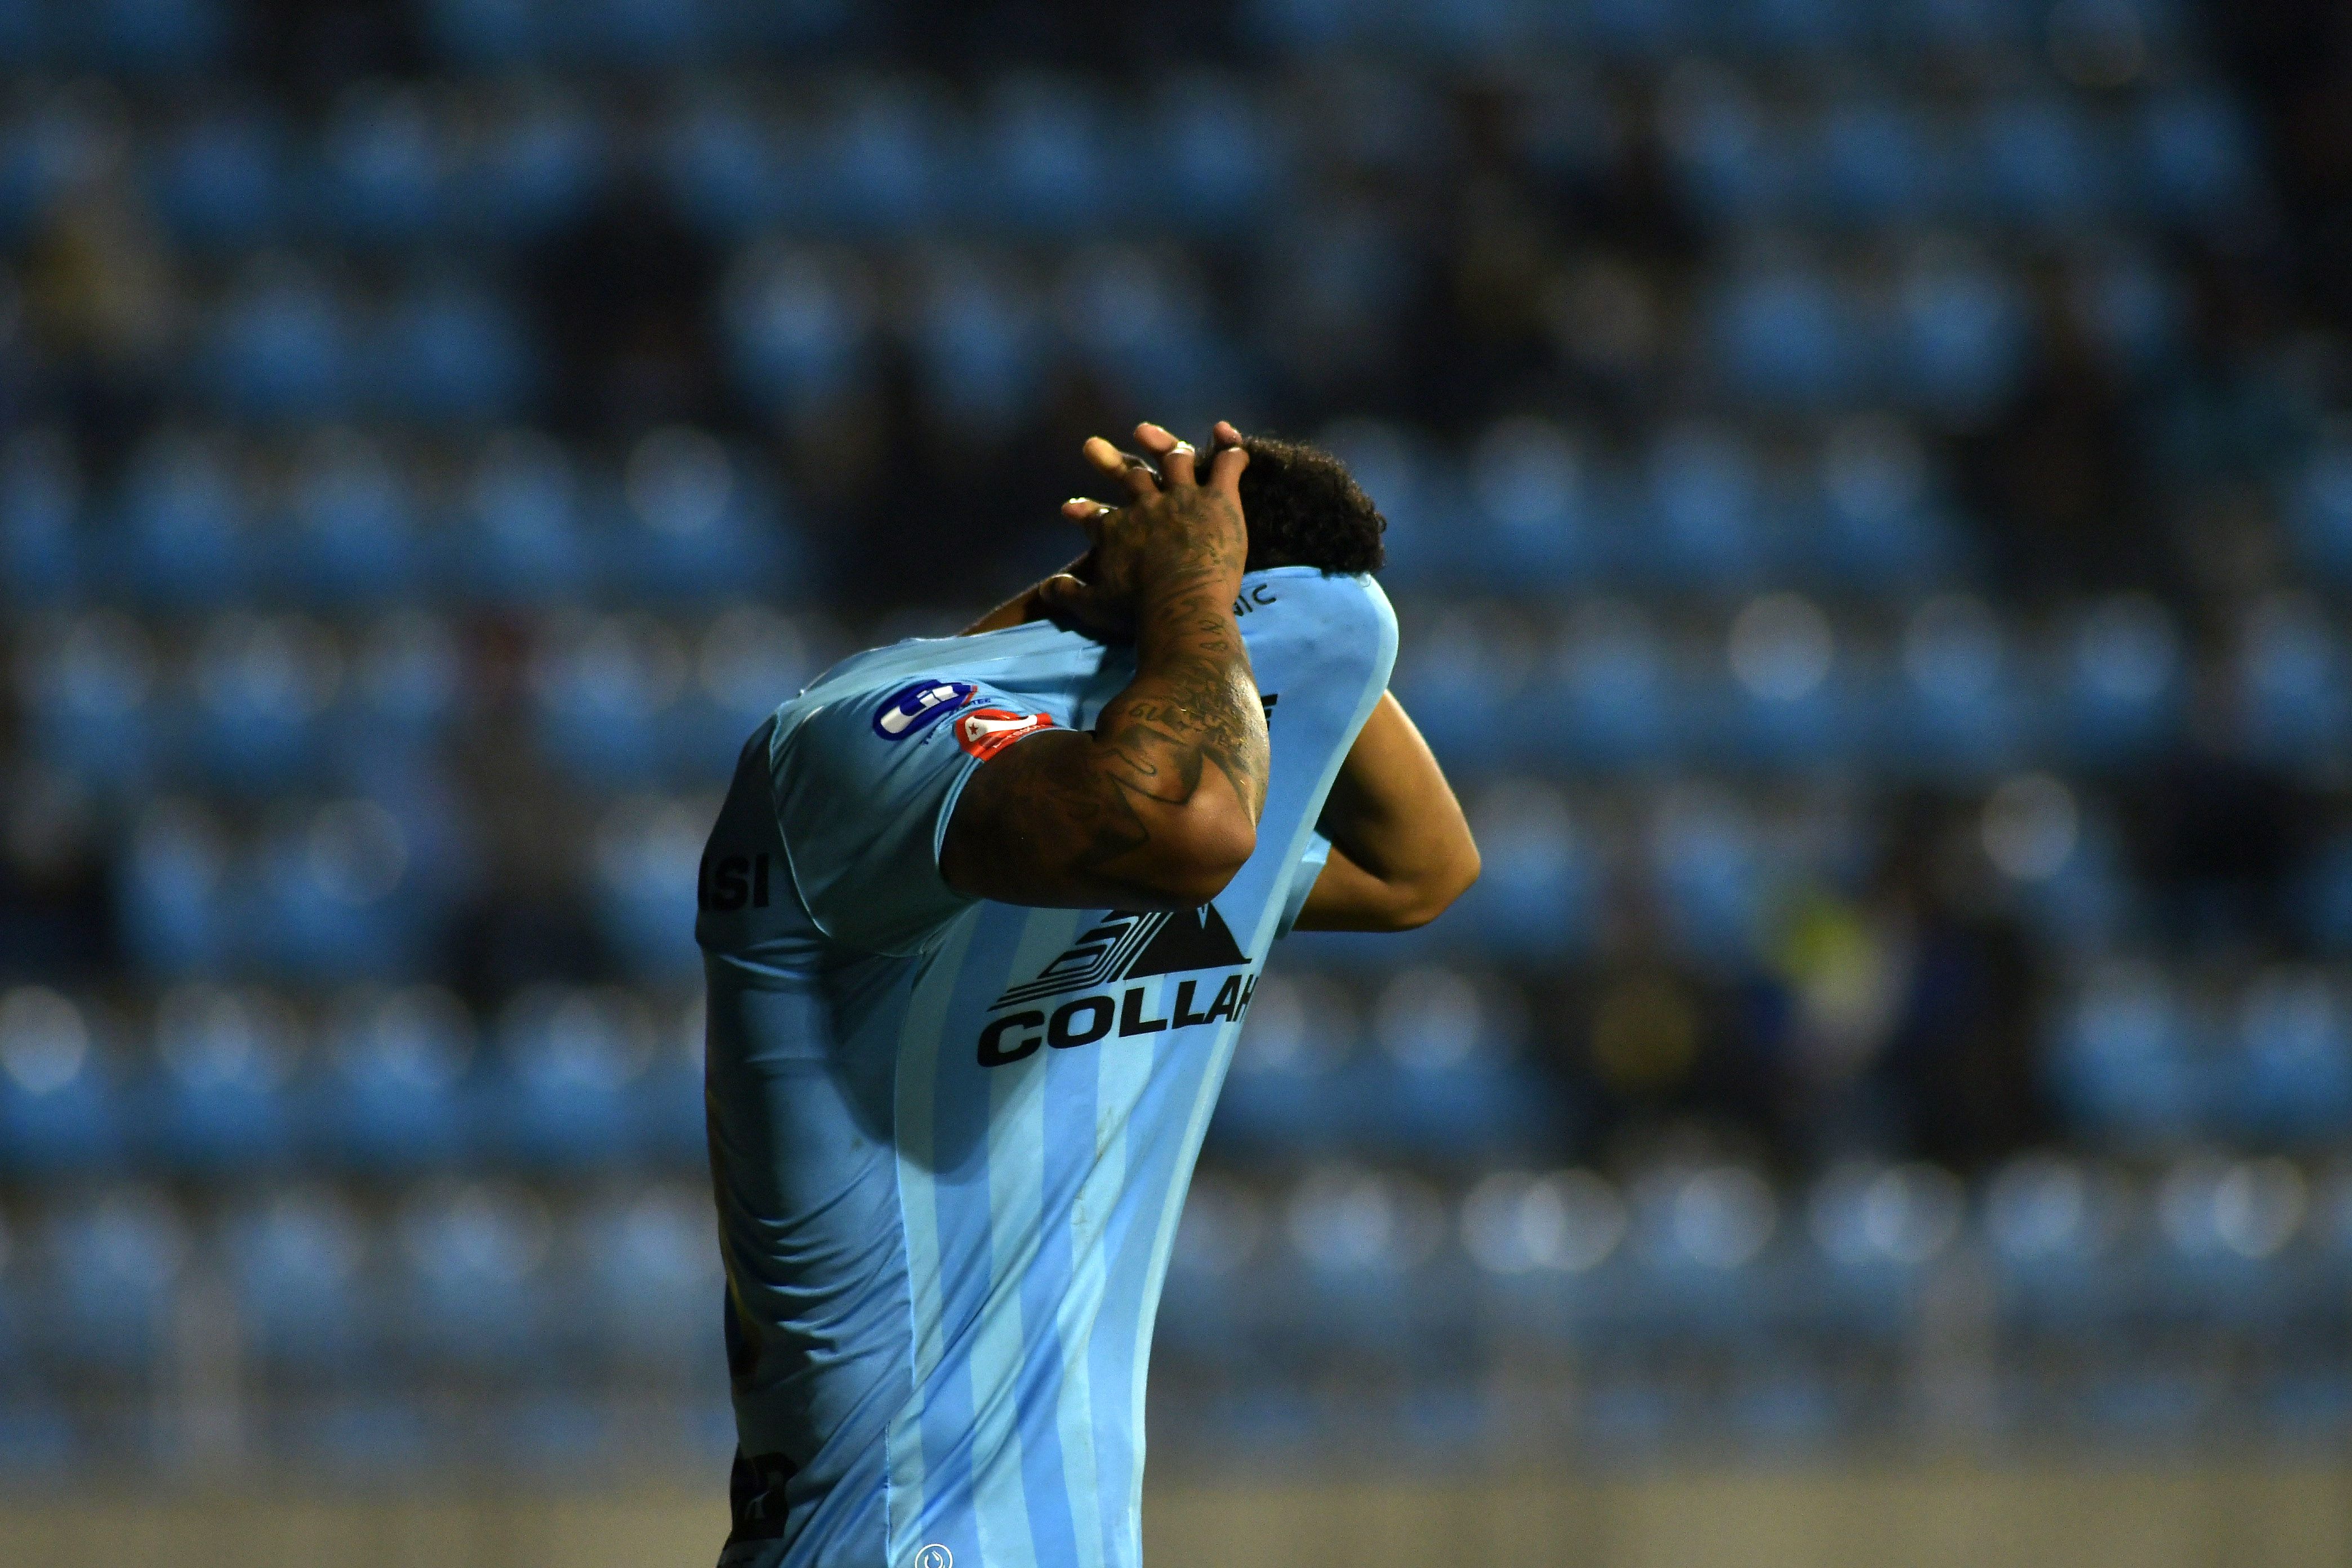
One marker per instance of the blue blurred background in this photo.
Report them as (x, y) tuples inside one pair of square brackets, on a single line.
[(1871, 500)]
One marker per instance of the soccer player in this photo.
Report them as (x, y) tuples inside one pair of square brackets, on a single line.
[(981, 917)]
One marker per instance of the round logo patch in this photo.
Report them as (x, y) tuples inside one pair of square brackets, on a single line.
[(916, 708)]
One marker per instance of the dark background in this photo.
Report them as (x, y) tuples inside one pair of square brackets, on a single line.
[(1871, 502)]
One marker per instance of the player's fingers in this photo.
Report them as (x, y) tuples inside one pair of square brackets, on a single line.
[(1056, 596), (1090, 515), (1175, 457), (1129, 471), (1069, 602), (1226, 468)]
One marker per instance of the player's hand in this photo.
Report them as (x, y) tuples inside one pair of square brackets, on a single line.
[(1073, 598), (1174, 526)]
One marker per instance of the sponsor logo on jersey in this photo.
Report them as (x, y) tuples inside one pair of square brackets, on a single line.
[(984, 731), (1121, 946), (1124, 946), (730, 882), (913, 709)]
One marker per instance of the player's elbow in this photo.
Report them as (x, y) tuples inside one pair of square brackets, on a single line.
[(1432, 893), (1197, 853)]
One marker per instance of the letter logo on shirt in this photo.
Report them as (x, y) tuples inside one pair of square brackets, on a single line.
[(916, 708), (1124, 945), (984, 731)]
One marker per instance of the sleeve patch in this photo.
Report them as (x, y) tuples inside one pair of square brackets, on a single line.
[(913, 709), (984, 731)]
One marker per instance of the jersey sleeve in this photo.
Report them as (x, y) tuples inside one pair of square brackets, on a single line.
[(1302, 881), (864, 787)]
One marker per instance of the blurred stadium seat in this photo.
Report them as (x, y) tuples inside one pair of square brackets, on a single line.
[(1870, 510)]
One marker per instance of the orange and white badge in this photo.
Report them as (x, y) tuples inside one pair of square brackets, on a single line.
[(984, 731)]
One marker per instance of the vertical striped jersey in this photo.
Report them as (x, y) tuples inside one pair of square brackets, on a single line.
[(951, 1137)]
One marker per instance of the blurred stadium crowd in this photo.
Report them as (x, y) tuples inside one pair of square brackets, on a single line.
[(1871, 502)]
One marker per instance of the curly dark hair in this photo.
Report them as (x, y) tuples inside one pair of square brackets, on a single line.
[(1306, 509)]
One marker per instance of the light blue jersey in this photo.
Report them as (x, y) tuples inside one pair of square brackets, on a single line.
[(951, 1137)]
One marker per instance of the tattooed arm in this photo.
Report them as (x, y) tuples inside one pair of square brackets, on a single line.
[(1158, 807)]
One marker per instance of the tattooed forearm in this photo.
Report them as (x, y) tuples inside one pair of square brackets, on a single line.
[(1158, 805), (1193, 698), (1089, 819)]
